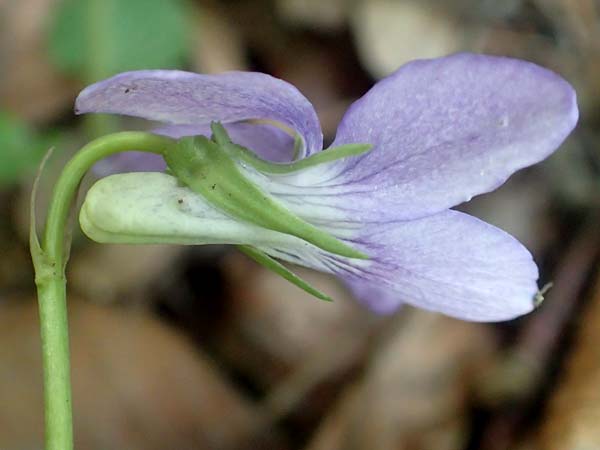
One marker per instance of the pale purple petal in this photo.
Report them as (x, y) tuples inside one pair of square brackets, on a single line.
[(449, 262), (185, 98), (445, 130), (379, 298), (129, 162), (267, 141)]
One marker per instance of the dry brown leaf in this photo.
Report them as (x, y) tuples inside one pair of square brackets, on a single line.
[(121, 273), (413, 395), (218, 45), (137, 385), (573, 416), (320, 14), (521, 209), (30, 86), (276, 328), (389, 33), (575, 19)]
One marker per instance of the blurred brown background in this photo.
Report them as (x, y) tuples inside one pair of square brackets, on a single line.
[(200, 348)]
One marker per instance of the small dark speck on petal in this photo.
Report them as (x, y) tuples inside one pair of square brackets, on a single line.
[(127, 90), (213, 187), (180, 201)]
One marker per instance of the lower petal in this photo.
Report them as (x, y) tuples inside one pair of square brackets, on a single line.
[(379, 298), (451, 263)]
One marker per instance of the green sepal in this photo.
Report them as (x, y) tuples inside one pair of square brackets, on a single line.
[(221, 137), (44, 267), (204, 166), (265, 260)]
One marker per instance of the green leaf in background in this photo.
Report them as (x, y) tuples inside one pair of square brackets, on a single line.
[(94, 39), (20, 149)]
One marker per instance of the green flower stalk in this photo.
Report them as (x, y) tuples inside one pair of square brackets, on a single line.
[(50, 259)]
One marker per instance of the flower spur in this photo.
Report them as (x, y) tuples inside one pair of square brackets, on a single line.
[(428, 137)]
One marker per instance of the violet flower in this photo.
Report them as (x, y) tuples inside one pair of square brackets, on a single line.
[(442, 131)]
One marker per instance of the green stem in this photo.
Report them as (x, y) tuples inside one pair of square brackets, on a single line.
[(68, 183), (50, 260)]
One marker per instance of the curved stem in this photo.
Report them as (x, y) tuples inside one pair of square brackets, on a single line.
[(68, 183), (50, 260)]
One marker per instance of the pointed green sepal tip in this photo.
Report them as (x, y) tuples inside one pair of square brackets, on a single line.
[(37, 254), (275, 266), (221, 138), (219, 134)]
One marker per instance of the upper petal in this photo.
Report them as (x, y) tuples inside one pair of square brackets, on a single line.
[(187, 98), (445, 130)]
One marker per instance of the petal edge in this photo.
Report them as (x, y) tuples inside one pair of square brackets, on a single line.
[(185, 98), (448, 129)]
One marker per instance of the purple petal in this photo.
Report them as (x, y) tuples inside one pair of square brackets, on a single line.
[(129, 162), (379, 298), (445, 130), (268, 141), (185, 98), (451, 263)]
